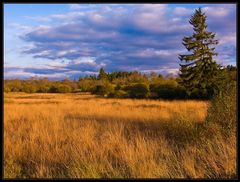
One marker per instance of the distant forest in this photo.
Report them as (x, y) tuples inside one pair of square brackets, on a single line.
[(119, 84)]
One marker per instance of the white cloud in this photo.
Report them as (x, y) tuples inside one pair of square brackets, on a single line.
[(19, 73), (216, 11), (156, 18), (53, 75), (182, 11), (154, 8), (21, 29), (228, 39), (85, 60), (176, 19), (74, 6), (148, 53), (44, 53), (57, 64), (71, 16), (39, 19)]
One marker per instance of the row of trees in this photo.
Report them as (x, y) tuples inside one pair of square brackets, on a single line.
[(136, 85), (40, 86), (115, 84)]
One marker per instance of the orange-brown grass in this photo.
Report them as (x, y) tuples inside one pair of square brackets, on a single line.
[(84, 136)]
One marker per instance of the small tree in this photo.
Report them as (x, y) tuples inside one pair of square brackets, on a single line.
[(102, 74), (200, 73)]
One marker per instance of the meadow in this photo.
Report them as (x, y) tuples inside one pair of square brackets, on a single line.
[(86, 136)]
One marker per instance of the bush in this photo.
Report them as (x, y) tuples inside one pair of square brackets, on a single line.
[(180, 93), (119, 94), (104, 89), (14, 85), (64, 88), (137, 90), (43, 89), (7, 89), (164, 91), (53, 89), (223, 109), (29, 88), (203, 94), (87, 85), (167, 91), (61, 88)]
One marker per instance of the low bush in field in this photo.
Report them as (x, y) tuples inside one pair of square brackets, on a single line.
[(223, 111), (104, 89), (167, 91), (137, 90), (119, 94), (60, 88), (28, 88)]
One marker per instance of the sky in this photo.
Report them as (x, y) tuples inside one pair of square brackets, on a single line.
[(60, 41)]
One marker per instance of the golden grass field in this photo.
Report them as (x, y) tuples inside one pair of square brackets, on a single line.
[(84, 136)]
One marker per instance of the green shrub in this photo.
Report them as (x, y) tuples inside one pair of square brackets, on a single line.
[(223, 109), (43, 89), (119, 94), (119, 87), (14, 85), (87, 85), (7, 89), (104, 89), (64, 88), (28, 88), (53, 89), (167, 91), (61, 88), (137, 90)]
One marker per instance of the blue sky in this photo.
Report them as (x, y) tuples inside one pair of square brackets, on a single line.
[(71, 40)]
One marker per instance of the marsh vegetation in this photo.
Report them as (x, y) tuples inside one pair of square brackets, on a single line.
[(86, 136)]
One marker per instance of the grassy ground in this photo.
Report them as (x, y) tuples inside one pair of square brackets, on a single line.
[(83, 136)]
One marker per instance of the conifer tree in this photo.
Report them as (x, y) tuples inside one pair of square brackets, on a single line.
[(200, 74), (102, 74)]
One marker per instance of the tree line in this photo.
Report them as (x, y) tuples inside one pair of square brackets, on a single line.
[(116, 84)]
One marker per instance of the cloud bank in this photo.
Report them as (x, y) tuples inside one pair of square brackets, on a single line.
[(142, 37)]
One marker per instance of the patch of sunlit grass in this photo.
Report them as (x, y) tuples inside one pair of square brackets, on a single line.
[(83, 136)]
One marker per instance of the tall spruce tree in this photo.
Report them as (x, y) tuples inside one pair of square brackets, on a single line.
[(200, 74)]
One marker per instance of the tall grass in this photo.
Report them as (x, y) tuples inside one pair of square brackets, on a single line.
[(83, 136)]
